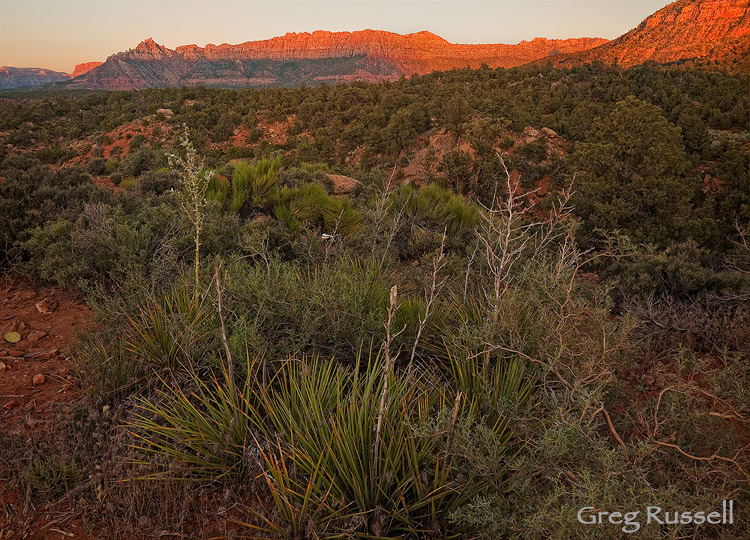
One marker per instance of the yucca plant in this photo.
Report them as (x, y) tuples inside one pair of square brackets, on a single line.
[(254, 181), (491, 384), (165, 332), (103, 370), (209, 429), (298, 503), (310, 203), (313, 425)]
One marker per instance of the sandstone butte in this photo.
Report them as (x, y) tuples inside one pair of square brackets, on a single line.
[(85, 67), (419, 53), (683, 30)]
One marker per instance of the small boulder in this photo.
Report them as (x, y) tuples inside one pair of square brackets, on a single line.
[(38, 379), (342, 184), (48, 305)]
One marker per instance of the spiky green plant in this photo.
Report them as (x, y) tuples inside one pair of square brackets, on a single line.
[(437, 206), (491, 384), (52, 476), (218, 189), (310, 203), (209, 429), (313, 425), (254, 181), (165, 332)]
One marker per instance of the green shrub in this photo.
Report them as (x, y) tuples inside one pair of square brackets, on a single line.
[(158, 181), (104, 245), (307, 173), (136, 142), (51, 253), (436, 207), (240, 152), (534, 152), (112, 165), (142, 160), (683, 270), (633, 176), (31, 197), (129, 183), (282, 309), (97, 167), (50, 154)]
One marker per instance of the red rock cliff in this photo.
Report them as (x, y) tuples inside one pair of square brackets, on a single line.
[(422, 52), (84, 67), (683, 30)]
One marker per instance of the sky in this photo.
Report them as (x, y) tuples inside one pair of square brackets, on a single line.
[(58, 34)]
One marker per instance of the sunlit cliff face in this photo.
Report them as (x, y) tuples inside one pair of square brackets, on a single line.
[(683, 30)]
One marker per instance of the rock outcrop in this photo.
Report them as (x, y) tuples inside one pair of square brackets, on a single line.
[(11, 77)]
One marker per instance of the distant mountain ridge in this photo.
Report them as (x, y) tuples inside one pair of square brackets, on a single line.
[(420, 53), (11, 77), (369, 55), (707, 32)]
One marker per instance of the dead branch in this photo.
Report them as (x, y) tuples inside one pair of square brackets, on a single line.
[(435, 286)]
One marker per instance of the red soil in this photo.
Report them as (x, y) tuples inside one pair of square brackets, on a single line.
[(28, 410)]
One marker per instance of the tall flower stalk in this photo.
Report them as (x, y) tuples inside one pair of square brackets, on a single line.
[(194, 180)]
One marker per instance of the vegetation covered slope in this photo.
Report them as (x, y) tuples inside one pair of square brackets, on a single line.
[(533, 299)]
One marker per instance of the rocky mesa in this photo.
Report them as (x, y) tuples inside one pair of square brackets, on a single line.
[(419, 53), (369, 55)]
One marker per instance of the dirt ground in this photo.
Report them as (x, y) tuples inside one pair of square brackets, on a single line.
[(36, 388), (38, 391)]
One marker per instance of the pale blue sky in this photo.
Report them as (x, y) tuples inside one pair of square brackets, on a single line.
[(58, 34)]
